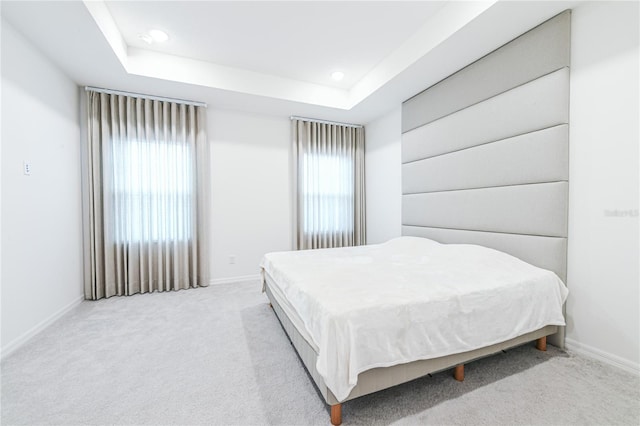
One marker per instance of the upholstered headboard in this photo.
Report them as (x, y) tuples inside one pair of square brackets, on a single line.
[(485, 151)]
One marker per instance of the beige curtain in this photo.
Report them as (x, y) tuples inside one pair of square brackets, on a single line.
[(329, 192), (146, 196)]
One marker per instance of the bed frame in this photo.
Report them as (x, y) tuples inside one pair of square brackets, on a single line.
[(385, 377)]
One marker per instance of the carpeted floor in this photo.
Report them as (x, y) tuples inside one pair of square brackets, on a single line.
[(218, 355)]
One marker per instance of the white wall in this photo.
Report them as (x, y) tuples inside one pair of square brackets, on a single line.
[(41, 213), (251, 178), (603, 278), (383, 177)]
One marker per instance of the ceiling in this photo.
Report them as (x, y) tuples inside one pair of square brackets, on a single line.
[(274, 57), (303, 41)]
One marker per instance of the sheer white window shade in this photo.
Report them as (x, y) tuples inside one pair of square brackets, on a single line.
[(146, 197), (153, 184), (329, 185), (328, 189)]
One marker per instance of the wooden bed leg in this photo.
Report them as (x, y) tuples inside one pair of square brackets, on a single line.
[(541, 344), (336, 414), (458, 372)]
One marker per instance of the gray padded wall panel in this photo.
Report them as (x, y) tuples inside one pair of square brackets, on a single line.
[(536, 105), (541, 156), (485, 152), (521, 209), (543, 252), (540, 51)]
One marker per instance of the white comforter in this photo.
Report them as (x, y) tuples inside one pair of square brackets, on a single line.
[(410, 299)]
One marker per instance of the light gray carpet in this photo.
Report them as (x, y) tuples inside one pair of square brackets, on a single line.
[(218, 355)]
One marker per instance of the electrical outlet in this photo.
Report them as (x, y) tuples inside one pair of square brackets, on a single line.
[(232, 260), (26, 167)]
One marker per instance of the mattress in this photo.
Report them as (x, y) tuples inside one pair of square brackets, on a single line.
[(289, 310), (408, 299)]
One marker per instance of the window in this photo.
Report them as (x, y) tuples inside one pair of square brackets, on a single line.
[(328, 194), (153, 188), (146, 199), (329, 185)]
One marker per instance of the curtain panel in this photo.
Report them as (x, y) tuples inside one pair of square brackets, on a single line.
[(145, 196), (329, 185)]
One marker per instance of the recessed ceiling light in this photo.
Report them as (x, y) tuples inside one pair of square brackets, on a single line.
[(337, 75), (158, 35)]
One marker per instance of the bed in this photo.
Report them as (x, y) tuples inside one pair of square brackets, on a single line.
[(366, 318), (485, 172)]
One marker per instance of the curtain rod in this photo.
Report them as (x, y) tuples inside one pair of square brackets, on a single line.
[(139, 95), (295, 117)]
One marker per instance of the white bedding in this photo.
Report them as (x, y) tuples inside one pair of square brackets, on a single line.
[(410, 299)]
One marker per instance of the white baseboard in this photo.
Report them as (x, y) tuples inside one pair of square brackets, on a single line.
[(600, 355), (238, 279), (18, 342)]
